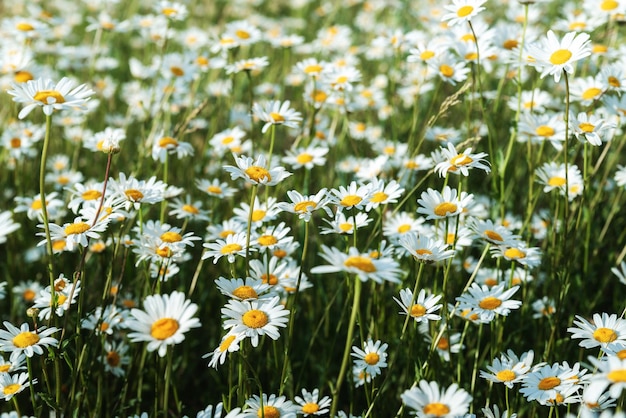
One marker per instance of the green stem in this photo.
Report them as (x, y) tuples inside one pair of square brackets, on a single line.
[(44, 207)]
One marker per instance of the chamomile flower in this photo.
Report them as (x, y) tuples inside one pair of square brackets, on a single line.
[(383, 194), (456, 162), (353, 196), (507, 370), (260, 213), (543, 383), (59, 302), (461, 11), (215, 188), (229, 344), (425, 249), (7, 225), (165, 145), (421, 308), (273, 236), (250, 65), (76, 233), (308, 157), (240, 289), (363, 265), (115, 358), (171, 10), (276, 113), (103, 321), (234, 245), (488, 302), (11, 385), (255, 318), (272, 406), (443, 205), (428, 400), (255, 171), (372, 358), (188, 209), (518, 251), (492, 233), (590, 128), (163, 322), (554, 56), (402, 223), (310, 403), (611, 374), (606, 330), (50, 96), (448, 68), (553, 176), (304, 206), (134, 192), (22, 341)]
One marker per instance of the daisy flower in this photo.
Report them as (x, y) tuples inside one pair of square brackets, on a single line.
[(460, 162), (363, 265), (163, 322), (229, 344), (134, 192), (188, 209), (518, 252), (342, 224), (103, 321), (443, 205), (215, 188), (167, 145), (240, 289), (7, 225), (310, 403), (272, 406), (545, 382), (589, 128), (254, 172), (11, 385), (262, 212), (428, 400), (425, 249), (50, 96), (234, 245), (251, 65), (421, 308), (461, 11), (383, 194), (308, 157), (22, 342), (444, 344), (353, 196), (508, 370), (171, 10), (402, 223), (115, 358), (488, 302), (58, 304), (606, 330), (304, 206), (492, 233), (449, 68), (554, 56), (620, 272), (372, 358), (553, 176), (276, 113), (611, 374), (255, 318)]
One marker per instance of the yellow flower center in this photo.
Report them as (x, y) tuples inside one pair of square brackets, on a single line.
[(505, 375), (560, 56), (599, 49), (605, 335), (379, 197), (277, 117), (36, 205), (134, 195), (24, 27), (255, 318), (43, 95), (257, 173), (346, 226), (464, 11), (351, 200), (22, 76), (58, 245), (544, 131), (371, 358), (267, 240), (403, 229), (304, 206), (460, 160), (614, 82), (609, 5), (242, 34), (304, 158), (214, 189), (436, 409), (164, 328), (269, 412), (4, 368), (168, 11), (225, 233), (493, 235), (25, 339), (312, 69), (548, 383), (77, 228), (319, 96), (91, 195), (310, 408), (171, 236), (591, 93), (446, 70), (271, 280), (423, 251), (621, 354), (15, 143), (426, 55), (556, 181), (28, 295), (165, 252), (167, 141), (113, 359), (231, 248), (491, 281), (617, 375), (586, 127), (190, 209), (490, 303), (443, 209), (418, 310), (226, 343), (362, 263), (510, 44), (443, 344), (60, 300), (245, 292), (471, 56), (11, 389), (514, 253), (258, 215)]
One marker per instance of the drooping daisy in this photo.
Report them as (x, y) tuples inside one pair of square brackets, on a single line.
[(11, 385), (372, 358), (363, 265), (234, 245), (255, 172), (428, 400), (461, 11), (229, 344), (422, 308), (50, 96), (425, 249), (488, 302), (606, 330), (163, 322), (255, 318), (304, 206), (22, 342), (276, 113), (554, 56), (456, 162), (272, 406), (310, 403)]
